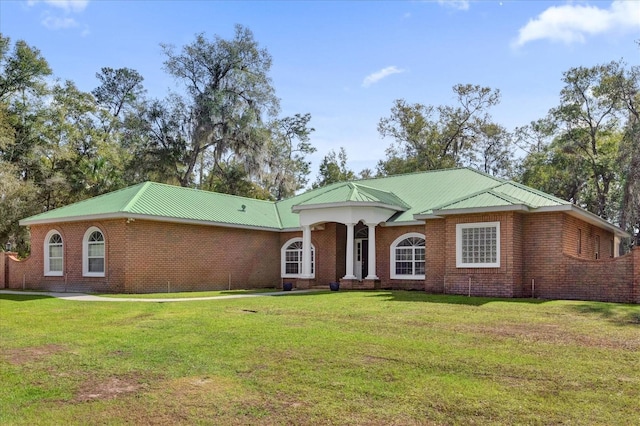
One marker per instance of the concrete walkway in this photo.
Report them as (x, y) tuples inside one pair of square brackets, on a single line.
[(82, 297)]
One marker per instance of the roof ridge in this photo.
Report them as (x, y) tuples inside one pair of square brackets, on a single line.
[(466, 197), (369, 190), (278, 215), (412, 173), (135, 198), (335, 185), (535, 191), (506, 197), (211, 192)]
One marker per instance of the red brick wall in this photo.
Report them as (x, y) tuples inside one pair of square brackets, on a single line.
[(608, 280), (180, 257), (505, 281), (329, 243), (435, 255), (147, 256), (589, 235), (31, 270), (385, 236), (4, 268), (553, 268)]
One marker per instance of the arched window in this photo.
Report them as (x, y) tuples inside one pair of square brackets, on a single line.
[(53, 254), (93, 253), (407, 257), (291, 259)]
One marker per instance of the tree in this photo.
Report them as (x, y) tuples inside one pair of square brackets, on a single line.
[(22, 87), (333, 168), (587, 150), (492, 151), (626, 83), (226, 93), (158, 142), (588, 113), (286, 169), (77, 159), (23, 70), (119, 93), (428, 137)]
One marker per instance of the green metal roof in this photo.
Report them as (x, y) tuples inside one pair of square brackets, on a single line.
[(419, 191), (160, 201), (529, 196), (506, 194), (481, 200), (415, 196), (355, 193)]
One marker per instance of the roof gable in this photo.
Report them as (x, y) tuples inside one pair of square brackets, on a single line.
[(354, 193)]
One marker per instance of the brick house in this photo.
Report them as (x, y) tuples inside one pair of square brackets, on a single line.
[(455, 231)]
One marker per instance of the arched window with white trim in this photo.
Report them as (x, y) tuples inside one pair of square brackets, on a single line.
[(291, 259), (93, 253), (407, 257), (53, 254)]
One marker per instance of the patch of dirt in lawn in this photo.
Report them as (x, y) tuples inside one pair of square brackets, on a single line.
[(20, 356), (553, 334), (108, 388)]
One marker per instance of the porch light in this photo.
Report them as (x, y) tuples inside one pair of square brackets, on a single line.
[(7, 246)]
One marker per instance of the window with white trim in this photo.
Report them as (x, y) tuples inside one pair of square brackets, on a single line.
[(291, 258), (93, 250), (478, 245), (407, 257), (53, 254)]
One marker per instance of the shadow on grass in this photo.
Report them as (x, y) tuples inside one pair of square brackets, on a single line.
[(419, 296), (23, 297), (617, 313)]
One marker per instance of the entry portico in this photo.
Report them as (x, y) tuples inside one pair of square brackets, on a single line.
[(348, 204)]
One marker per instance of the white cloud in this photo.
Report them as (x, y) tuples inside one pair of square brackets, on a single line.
[(456, 4), (57, 16), (58, 23), (571, 23), (379, 75), (66, 5)]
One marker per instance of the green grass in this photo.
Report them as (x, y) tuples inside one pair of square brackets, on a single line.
[(320, 358), (189, 294)]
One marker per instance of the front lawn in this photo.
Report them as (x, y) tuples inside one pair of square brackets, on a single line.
[(189, 294), (319, 358)]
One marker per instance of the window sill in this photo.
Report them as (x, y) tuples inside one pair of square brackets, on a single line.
[(94, 274), (409, 277), (477, 265)]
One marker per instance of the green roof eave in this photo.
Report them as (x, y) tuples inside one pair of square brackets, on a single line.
[(439, 213), (134, 216), (570, 209), (300, 207)]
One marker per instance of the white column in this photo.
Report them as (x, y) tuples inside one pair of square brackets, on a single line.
[(349, 254), (306, 251), (371, 272)]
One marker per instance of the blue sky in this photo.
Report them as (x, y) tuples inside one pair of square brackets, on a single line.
[(345, 62)]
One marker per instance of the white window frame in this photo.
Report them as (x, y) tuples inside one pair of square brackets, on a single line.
[(393, 274), (283, 263), (460, 227), (47, 255), (85, 253)]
